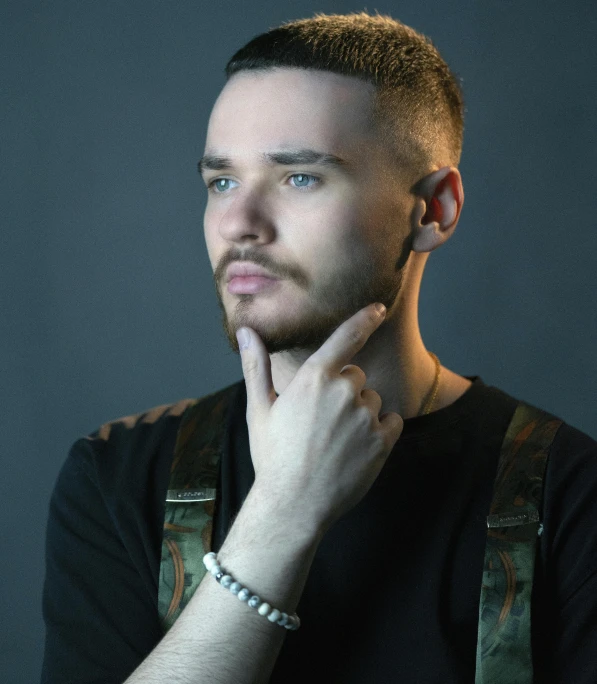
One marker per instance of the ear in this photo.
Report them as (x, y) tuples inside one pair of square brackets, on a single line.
[(439, 200)]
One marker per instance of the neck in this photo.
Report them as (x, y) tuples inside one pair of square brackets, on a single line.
[(397, 365)]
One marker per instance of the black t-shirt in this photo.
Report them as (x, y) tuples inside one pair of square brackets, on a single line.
[(393, 592)]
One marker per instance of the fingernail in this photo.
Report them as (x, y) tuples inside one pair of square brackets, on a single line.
[(243, 338), (380, 308)]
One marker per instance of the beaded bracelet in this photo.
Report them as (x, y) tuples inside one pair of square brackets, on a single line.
[(291, 622)]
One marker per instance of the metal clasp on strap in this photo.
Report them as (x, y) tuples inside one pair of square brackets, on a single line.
[(512, 520), (187, 495)]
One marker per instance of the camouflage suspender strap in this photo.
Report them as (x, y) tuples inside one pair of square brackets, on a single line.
[(190, 501), (504, 630), (513, 526)]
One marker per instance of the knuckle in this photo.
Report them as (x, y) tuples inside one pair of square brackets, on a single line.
[(313, 373), (250, 366), (364, 417), (345, 389), (312, 367), (369, 394), (355, 335), (353, 370), (383, 445)]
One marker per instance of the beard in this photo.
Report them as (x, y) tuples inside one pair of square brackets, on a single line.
[(306, 322)]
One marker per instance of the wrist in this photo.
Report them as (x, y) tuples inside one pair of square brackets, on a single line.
[(286, 520), (269, 551), (291, 622)]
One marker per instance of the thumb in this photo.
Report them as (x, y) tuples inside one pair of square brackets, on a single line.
[(257, 369)]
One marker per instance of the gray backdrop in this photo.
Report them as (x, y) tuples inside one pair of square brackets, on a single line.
[(107, 299)]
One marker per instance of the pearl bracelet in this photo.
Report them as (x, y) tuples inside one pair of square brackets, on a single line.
[(291, 622)]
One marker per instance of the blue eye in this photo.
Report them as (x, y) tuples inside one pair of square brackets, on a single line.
[(212, 185), (303, 175)]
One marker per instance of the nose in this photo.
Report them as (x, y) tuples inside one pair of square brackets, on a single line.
[(245, 217)]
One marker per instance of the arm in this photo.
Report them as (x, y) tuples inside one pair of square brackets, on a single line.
[(219, 639), (99, 594), (316, 450)]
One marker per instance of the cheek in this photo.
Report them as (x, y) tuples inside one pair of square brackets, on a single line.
[(331, 228), (387, 218), (330, 247)]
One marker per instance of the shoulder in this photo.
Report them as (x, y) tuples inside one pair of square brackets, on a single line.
[(122, 443), (124, 459), (136, 422), (571, 475), (572, 456), (572, 459), (125, 463), (570, 443), (136, 440), (158, 415), (569, 511)]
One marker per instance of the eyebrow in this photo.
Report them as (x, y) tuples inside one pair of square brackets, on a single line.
[(285, 158)]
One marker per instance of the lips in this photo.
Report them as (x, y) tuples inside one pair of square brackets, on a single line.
[(245, 270), (252, 284)]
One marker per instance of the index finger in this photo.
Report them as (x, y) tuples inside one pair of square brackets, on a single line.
[(348, 338)]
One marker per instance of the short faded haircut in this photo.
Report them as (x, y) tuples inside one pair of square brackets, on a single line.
[(418, 108)]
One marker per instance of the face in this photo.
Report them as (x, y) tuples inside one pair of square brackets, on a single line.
[(333, 234)]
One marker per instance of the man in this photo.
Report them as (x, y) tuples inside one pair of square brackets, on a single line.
[(331, 166)]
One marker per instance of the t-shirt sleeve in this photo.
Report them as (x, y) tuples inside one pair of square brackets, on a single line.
[(99, 615), (568, 616)]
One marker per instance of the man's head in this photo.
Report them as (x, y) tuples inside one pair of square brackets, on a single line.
[(365, 90)]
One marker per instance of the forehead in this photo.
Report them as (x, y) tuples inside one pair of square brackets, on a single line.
[(291, 107)]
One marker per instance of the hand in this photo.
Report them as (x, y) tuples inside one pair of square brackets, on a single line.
[(319, 446)]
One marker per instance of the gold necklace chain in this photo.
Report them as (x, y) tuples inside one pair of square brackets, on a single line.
[(429, 402)]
